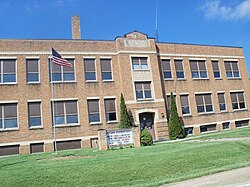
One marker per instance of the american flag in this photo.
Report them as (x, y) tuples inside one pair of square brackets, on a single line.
[(57, 59)]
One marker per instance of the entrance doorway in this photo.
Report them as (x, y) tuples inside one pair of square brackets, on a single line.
[(147, 122)]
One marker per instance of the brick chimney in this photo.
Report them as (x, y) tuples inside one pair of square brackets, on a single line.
[(76, 30)]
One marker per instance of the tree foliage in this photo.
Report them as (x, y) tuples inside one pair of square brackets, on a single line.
[(175, 128), (146, 138), (124, 117)]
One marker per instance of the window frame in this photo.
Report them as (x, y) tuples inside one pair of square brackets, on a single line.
[(140, 65), (198, 62), (111, 69), (143, 90), (2, 72), (183, 71), (65, 113), (2, 104), (35, 127), (38, 67), (216, 61), (204, 103), (62, 71), (163, 71), (110, 98), (231, 69), (238, 103), (92, 58), (188, 100), (218, 93), (99, 111)]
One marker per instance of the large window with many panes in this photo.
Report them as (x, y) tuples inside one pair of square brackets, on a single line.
[(63, 73), (110, 109), (143, 90), (216, 70), (140, 63), (93, 110), (90, 69), (32, 70), (232, 70), (7, 71), (198, 69), (166, 67), (238, 100), (65, 112), (34, 112), (106, 69), (179, 69), (185, 105), (8, 116), (204, 103), (222, 103)]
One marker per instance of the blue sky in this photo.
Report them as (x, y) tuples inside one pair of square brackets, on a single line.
[(213, 22)]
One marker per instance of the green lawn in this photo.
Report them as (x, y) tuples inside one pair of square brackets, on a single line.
[(236, 133), (146, 166)]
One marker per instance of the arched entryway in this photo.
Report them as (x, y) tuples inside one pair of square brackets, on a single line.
[(147, 122)]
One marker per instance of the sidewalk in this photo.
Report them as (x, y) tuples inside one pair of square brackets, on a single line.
[(233, 178)]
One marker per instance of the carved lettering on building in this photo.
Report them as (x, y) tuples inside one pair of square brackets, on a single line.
[(136, 43)]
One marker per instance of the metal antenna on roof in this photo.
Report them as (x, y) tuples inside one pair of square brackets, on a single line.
[(156, 22)]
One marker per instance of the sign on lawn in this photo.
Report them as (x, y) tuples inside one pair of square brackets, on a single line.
[(121, 137)]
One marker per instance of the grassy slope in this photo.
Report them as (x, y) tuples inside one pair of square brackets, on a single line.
[(236, 133), (146, 166)]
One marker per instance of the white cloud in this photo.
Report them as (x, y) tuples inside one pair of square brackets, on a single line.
[(214, 9)]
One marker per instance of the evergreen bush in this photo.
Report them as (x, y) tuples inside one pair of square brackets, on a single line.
[(146, 138), (124, 117), (175, 128)]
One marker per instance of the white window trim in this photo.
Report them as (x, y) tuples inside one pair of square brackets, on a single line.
[(64, 99), (1, 64), (139, 56), (111, 65), (36, 101), (39, 71), (90, 57)]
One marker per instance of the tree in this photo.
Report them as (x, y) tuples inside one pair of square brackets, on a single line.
[(175, 128), (124, 117)]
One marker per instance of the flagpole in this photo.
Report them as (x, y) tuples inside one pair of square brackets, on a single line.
[(53, 103)]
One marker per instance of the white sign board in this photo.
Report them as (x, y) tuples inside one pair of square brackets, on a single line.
[(119, 137)]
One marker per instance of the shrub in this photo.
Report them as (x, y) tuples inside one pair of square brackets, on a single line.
[(146, 138), (124, 117), (175, 128)]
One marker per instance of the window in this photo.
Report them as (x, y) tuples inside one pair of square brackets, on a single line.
[(198, 69), (216, 69), (189, 130), (110, 109), (232, 69), (179, 69), (7, 71), (207, 128), (93, 108), (143, 90), (34, 113), (89, 66), (222, 102), (32, 69), (225, 125), (166, 69), (185, 105), (65, 112), (238, 101), (204, 103), (106, 69), (139, 63), (242, 123), (8, 116), (63, 73)]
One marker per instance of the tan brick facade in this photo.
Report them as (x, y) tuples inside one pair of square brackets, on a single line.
[(120, 51)]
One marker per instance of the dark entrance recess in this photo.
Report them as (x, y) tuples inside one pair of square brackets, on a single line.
[(147, 122)]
